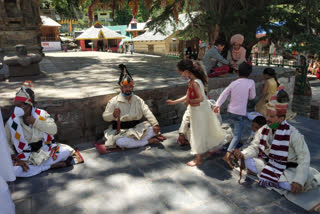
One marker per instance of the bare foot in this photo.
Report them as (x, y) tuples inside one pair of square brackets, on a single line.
[(226, 158), (194, 163), (153, 141), (197, 161)]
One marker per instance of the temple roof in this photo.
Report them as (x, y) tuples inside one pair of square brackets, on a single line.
[(96, 33)]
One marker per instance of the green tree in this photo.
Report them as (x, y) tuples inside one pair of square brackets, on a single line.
[(123, 16)]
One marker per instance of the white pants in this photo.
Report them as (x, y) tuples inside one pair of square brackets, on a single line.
[(251, 165), (127, 142), (63, 154), (6, 204)]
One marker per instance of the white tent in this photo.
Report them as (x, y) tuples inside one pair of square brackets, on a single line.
[(98, 32)]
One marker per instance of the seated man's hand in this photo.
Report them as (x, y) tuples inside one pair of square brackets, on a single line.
[(182, 139), (216, 109), (30, 120), (238, 154), (23, 164), (116, 113), (156, 129), (296, 187)]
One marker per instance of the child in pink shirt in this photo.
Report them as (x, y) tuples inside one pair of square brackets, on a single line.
[(240, 91)]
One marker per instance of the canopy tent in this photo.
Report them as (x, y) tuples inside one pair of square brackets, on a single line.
[(98, 32), (99, 37)]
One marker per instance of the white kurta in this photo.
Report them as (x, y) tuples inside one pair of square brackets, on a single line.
[(34, 133), (134, 109), (298, 153)]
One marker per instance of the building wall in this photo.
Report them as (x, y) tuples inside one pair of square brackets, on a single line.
[(159, 47), (104, 17)]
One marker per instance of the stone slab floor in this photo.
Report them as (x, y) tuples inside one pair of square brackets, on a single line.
[(75, 75), (153, 180)]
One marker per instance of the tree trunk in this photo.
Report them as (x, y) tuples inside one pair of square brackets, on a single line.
[(213, 33)]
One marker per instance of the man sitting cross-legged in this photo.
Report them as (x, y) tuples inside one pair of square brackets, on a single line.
[(279, 154), (29, 132), (126, 111)]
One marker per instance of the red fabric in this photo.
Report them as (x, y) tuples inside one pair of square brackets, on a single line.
[(192, 93), (21, 145), (318, 74), (219, 71), (38, 111), (21, 156), (21, 99)]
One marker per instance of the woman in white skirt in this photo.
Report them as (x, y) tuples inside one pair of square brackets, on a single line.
[(205, 127)]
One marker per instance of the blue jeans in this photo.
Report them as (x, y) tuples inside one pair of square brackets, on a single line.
[(237, 130)]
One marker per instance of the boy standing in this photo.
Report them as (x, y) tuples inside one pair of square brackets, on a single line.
[(240, 91)]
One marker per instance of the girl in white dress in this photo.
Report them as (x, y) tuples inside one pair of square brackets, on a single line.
[(205, 127)]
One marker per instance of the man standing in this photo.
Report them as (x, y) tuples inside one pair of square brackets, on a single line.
[(129, 110), (279, 154), (131, 48)]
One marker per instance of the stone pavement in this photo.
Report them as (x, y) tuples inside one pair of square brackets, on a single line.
[(153, 180), (75, 75)]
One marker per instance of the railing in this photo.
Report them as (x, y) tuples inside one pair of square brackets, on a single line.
[(275, 60), (279, 61)]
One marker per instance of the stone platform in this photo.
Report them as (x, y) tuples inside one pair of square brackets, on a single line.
[(75, 87), (153, 180)]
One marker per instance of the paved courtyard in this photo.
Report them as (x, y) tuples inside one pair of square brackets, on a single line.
[(153, 180), (74, 75)]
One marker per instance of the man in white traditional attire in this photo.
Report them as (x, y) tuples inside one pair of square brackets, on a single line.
[(6, 173), (130, 131), (279, 154), (29, 132)]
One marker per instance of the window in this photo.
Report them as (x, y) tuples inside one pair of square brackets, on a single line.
[(133, 26), (103, 14)]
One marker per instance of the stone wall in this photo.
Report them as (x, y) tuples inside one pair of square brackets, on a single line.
[(81, 120), (20, 24)]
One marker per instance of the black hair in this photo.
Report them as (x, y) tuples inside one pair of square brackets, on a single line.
[(272, 73), (31, 94), (220, 42), (244, 70), (195, 68), (283, 96), (124, 71), (260, 120)]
